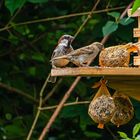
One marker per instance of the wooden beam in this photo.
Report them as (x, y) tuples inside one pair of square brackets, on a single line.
[(96, 71), (124, 79)]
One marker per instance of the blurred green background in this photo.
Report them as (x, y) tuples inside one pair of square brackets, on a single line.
[(28, 37)]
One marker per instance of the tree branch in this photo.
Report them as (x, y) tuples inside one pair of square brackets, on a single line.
[(59, 17), (17, 91), (66, 104), (68, 93), (52, 91), (38, 111)]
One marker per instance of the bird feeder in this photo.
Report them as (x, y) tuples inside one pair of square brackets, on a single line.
[(136, 32), (123, 79)]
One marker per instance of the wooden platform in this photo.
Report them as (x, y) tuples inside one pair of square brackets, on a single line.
[(96, 71), (122, 79)]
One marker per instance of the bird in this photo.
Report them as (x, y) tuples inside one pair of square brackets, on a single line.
[(80, 57), (117, 56), (63, 47)]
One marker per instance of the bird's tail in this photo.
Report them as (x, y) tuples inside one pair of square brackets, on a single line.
[(60, 57), (52, 79)]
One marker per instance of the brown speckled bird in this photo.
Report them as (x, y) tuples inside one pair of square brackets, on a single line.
[(63, 47), (124, 111), (82, 56), (117, 56)]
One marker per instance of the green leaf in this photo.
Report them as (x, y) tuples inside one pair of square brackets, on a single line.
[(13, 5), (122, 135), (8, 116), (136, 129), (126, 21), (109, 28), (72, 111), (114, 14), (37, 1), (32, 71), (138, 137), (135, 6), (92, 134), (38, 57), (22, 56), (13, 130)]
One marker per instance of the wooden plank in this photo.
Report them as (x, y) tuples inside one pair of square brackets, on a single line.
[(136, 32), (135, 14), (139, 26), (126, 80), (96, 71), (131, 87), (136, 60)]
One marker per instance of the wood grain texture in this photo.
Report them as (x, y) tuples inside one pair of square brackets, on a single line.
[(126, 80), (136, 32), (96, 71), (129, 85)]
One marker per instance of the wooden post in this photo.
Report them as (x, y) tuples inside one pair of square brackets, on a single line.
[(136, 33)]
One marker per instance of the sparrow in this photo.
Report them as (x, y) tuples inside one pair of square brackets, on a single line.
[(117, 56), (81, 56), (64, 47)]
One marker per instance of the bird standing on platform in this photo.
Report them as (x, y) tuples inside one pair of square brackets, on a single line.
[(82, 56), (64, 47), (117, 56)]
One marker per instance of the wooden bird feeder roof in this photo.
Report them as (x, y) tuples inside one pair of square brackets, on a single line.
[(124, 79)]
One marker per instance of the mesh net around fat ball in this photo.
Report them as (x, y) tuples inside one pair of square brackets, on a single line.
[(124, 111), (102, 106)]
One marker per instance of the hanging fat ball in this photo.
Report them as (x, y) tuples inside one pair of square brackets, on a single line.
[(117, 56), (102, 106), (63, 47), (82, 56), (124, 111), (101, 110)]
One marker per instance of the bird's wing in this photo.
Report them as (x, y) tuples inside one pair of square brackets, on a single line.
[(53, 54), (81, 51)]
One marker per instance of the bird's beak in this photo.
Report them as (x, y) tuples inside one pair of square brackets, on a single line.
[(72, 38)]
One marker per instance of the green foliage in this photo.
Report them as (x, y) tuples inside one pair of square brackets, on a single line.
[(26, 46), (123, 135), (115, 15), (135, 134), (110, 27), (136, 5), (37, 1), (126, 21), (13, 5), (136, 129)]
